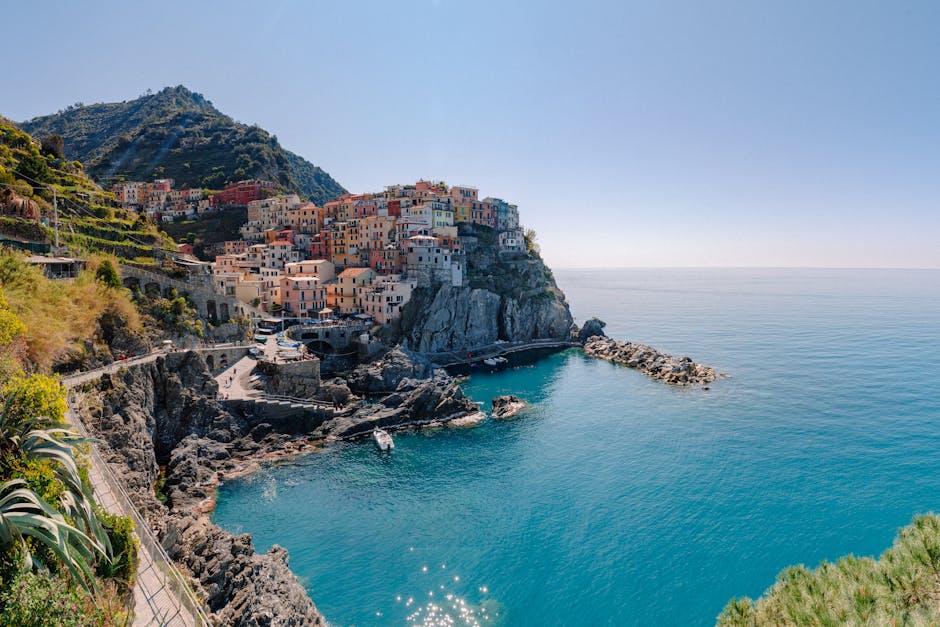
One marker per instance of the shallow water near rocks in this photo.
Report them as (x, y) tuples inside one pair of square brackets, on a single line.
[(615, 499)]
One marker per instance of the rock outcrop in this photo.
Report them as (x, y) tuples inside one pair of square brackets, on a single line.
[(667, 368), (510, 297), (244, 588), (383, 375), (591, 328), (161, 424), (507, 406), (164, 414)]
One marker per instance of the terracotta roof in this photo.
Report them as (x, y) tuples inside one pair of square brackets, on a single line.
[(354, 271)]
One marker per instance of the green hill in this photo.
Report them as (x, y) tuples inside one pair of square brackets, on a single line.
[(178, 134), (89, 222)]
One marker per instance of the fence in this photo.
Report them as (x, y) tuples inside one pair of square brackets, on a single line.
[(160, 585)]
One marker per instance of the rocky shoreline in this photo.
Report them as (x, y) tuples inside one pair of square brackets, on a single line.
[(651, 362), (162, 421)]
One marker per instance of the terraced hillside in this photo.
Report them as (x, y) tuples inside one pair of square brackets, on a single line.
[(34, 174)]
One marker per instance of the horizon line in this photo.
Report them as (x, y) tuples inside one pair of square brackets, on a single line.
[(914, 268)]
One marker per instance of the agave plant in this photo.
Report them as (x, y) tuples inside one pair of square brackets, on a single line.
[(24, 514), (70, 529)]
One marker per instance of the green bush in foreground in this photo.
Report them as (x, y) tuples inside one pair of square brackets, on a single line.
[(34, 600), (122, 566), (902, 587)]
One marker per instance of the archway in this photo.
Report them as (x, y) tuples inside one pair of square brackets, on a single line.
[(211, 312), (223, 312), (210, 361), (320, 347), (152, 289)]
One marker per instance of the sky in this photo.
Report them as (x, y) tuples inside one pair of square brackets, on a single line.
[(665, 133)]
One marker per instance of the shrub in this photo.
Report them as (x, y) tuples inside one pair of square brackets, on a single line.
[(35, 396), (123, 564), (901, 587), (39, 600), (107, 274)]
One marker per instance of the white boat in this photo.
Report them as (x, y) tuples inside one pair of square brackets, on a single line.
[(382, 440), (492, 362)]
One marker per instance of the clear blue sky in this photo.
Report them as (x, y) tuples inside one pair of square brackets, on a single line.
[(664, 133)]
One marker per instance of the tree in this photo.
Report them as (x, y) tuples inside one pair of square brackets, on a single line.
[(530, 241), (107, 274), (53, 145)]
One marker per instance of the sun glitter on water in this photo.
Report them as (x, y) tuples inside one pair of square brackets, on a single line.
[(444, 608)]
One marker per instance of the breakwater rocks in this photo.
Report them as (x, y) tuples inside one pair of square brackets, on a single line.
[(649, 361)]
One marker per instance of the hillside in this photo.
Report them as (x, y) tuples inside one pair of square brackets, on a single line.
[(178, 134), (88, 220)]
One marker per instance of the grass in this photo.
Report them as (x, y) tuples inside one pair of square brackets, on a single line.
[(63, 318)]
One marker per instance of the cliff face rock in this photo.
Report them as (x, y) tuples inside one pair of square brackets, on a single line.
[(450, 318), (164, 413), (506, 296), (163, 417), (244, 588)]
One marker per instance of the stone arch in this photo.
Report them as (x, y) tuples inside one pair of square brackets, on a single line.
[(211, 313), (223, 361), (132, 283), (320, 347), (210, 361), (223, 312), (152, 289), (168, 291)]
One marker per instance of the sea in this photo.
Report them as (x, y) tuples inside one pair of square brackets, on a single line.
[(614, 499)]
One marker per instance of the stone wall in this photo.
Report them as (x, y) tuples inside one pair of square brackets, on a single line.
[(299, 379)]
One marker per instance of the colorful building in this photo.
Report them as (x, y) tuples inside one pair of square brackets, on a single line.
[(243, 192), (302, 295)]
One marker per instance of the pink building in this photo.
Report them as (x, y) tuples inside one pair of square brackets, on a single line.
[(302, 295)]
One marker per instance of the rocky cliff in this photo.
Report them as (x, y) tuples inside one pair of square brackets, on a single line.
[(506, 296), (163, 430), (163, 415)]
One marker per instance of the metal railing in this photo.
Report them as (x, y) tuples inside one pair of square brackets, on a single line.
[(165, 590), (263, 396)]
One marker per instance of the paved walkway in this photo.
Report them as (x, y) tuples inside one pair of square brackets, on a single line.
[(500, 349), (233, 381), (162, 596)]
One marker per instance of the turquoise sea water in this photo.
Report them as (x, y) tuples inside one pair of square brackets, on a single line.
[(620, 500)]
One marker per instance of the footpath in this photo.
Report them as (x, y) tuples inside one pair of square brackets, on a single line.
[(162, 596)]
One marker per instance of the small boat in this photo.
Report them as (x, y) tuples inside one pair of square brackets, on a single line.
[(492, 362), (382, 439)]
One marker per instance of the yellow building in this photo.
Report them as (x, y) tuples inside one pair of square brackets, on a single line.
[(342, 295)]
